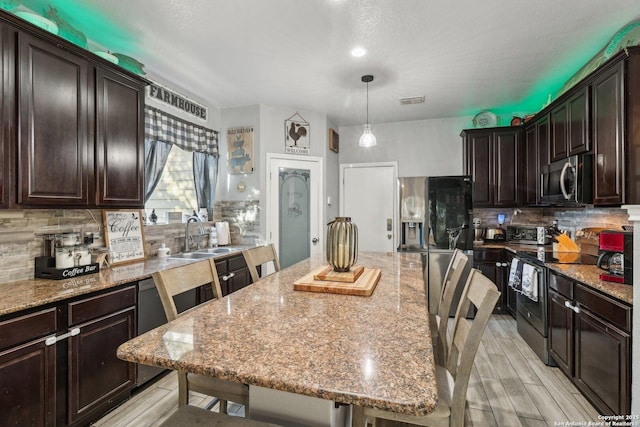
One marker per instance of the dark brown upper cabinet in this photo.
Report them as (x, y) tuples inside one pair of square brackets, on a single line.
[(72, 124), (570, 126), (7, 109), (55, 153), (119, 140), (608, 136), (494, 159)]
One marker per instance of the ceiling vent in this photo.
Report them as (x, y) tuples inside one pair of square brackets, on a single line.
[(414, 100)]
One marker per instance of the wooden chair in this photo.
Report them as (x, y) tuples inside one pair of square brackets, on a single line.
[(258, 256), (453, 378), (175, 281), (453, 281)]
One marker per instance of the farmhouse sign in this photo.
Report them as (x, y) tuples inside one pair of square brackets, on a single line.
[(174, 99)]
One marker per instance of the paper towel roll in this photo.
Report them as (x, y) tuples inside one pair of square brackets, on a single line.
[(222, 229)]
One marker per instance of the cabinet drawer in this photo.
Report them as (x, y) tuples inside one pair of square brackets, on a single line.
[(605, 307), (221, 267), (100, 305), (27, 328), (237, 262), (488, 255), (561, 284)]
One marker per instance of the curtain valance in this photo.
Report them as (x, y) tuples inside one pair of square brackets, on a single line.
[(161, 126)]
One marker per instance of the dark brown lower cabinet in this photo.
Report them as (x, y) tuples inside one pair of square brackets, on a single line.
[(493, 264), (589, 338), (28, 369), (233, 274), (97, 378), (58, 366)]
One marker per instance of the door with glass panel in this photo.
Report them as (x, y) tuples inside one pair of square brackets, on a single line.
[(293, 201)]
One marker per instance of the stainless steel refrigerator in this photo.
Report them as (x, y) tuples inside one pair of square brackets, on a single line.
[(450, 208), (413, 213)]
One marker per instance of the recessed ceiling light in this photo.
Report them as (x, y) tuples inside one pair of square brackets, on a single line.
[(358, 51)]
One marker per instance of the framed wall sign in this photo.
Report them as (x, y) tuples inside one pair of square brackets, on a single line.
[(296, 131), (334, 140), (124, 235), (240, 150)]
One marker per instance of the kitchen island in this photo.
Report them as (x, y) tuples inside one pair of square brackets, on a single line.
[(366, 351)]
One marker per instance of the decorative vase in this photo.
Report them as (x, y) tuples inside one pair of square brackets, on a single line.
[(342, 244)]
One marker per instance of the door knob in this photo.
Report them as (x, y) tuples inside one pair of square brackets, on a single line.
[(389, 236), (314, 240)]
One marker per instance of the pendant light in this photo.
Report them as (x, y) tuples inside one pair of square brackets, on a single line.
[(367, 139)]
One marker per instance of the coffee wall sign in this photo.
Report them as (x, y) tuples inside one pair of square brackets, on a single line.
[(177, 101), (124, 234)]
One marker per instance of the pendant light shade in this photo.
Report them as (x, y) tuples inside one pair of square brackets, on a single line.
[(367, 139)]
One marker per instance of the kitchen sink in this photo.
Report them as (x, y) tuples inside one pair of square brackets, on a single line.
[(217, 251), (192, 255), (205, 253)]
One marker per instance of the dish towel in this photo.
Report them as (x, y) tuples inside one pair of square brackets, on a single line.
[(515, 275), (530, 282)]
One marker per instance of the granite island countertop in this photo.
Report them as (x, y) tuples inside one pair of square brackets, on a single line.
[(586, 274), (30, 293), (369, 351)]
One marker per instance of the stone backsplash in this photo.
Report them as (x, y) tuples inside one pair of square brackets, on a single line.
[(571, 220), (22, 232)]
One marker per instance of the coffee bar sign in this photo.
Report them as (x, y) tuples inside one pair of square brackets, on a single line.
[(177, 101)]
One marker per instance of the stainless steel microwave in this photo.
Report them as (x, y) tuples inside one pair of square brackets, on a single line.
[(568, 181)]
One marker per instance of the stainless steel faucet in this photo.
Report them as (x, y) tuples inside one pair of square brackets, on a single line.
[(192, 218)]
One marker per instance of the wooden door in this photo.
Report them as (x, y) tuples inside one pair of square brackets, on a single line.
[(508, 164), (55, 160), (608, 137), (578, 114), (119, 140), (602, 363), (561, 331), (7, 109), (480, 163), (558, 142), (532, 175)]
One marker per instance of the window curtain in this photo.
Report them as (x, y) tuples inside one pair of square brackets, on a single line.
[(205, 176), (162, 131), (156, 154)]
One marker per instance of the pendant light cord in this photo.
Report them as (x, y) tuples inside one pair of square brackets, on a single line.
[(367, 102)]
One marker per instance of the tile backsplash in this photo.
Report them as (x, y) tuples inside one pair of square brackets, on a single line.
[(570, 219), (22, 232)]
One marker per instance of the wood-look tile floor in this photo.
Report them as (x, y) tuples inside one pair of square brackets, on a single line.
[(509, 386)]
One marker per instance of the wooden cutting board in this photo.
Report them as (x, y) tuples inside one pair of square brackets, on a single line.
[(363, 286)]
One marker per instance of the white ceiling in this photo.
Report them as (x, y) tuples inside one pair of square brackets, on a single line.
[(465, 56)]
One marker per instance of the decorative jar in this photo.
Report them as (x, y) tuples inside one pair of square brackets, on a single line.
[(342, 244)]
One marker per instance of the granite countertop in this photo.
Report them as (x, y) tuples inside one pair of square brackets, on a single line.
[(25, 294), (369, 351), (586, 274)]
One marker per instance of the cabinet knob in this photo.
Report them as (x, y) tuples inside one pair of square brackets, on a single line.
[(228, 276)]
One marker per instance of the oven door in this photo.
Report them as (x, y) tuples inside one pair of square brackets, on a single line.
[(535, 312)]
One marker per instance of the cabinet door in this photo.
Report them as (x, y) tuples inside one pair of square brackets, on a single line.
[(561, 331), (7, 106), (507, 167), (511, 296), (55, 160), (608, 136), (578, 114), (494, 271), (542, 131), (602, 363), (532, 174), (558, 142), (28, 385), (479, 150), (119, 141), (96, 376)]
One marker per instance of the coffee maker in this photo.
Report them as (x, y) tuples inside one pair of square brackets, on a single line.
[(616, 256)]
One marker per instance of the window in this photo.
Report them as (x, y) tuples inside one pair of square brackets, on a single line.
[(176, 190)]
